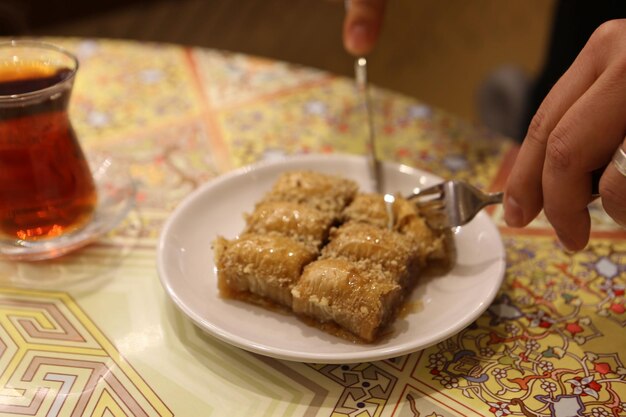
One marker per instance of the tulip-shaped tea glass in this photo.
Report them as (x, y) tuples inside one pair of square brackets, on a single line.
[(48, 194)]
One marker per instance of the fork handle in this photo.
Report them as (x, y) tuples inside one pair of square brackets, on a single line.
[(494, 198)]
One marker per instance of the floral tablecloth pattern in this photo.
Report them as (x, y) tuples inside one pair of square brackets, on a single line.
[(93, 333)]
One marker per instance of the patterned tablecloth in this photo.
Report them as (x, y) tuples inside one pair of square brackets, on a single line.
[(94, 333)]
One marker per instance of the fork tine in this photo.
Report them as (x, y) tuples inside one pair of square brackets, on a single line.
[(431, 205), (421, 192), (451, 203)]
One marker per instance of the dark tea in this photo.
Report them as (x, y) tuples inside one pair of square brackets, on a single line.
[(46, 187)]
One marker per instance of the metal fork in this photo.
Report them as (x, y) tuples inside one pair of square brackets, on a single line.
[(452, 203)]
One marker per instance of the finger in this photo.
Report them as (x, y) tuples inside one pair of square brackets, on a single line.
[(584, 139), (613, 188), (523, 194), (362, 25)]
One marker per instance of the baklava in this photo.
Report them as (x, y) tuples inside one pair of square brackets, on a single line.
[(333, 256)]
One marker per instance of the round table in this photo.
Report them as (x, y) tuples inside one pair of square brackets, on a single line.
[(94, 332)]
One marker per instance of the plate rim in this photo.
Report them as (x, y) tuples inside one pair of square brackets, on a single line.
[(373, 354)]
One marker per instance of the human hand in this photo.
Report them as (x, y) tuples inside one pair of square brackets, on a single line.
[(576, 130), (362, 24)]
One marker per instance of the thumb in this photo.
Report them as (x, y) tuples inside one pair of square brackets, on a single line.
[(361, 27)]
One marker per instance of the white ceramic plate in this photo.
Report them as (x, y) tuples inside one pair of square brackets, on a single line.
[(447, 303)]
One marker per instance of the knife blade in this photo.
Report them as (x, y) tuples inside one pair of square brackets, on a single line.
[(374, 165)]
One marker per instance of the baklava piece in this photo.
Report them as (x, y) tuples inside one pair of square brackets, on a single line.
[(266, 266), (369, 208), (300, 222), (359, 300), (402, 216), (327, 193), (374, 247), (409, 222)]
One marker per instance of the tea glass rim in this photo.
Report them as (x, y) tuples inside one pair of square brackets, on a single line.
[(9, 99)]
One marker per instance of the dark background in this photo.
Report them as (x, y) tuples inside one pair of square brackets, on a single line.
[(439, 51)]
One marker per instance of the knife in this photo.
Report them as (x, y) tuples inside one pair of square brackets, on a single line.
[(374, 165)]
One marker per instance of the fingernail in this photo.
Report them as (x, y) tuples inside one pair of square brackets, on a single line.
[(357, 36), (513, 214)]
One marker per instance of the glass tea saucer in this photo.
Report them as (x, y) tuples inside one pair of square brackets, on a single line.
[(116, 192)]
